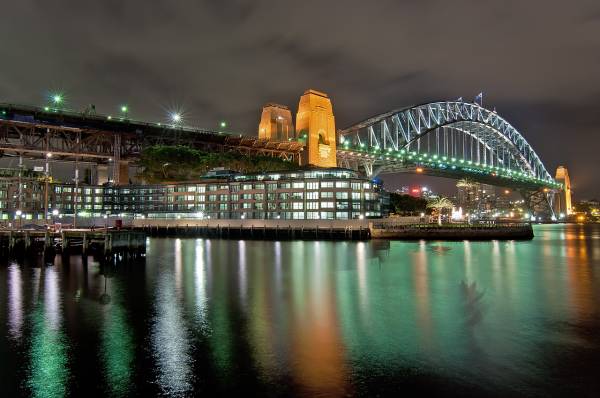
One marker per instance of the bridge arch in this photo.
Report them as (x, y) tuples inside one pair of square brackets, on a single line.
[(467, 128)]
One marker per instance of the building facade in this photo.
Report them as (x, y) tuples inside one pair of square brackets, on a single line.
[(320, 193)]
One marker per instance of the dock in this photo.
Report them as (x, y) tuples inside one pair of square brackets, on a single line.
[(257, 229), (387, 230), (131, 243)]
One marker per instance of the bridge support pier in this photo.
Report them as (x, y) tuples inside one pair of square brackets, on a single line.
[(539, 203)]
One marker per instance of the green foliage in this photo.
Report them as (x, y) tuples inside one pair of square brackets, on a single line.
[(407, 205), (440, 204), (163, 163)]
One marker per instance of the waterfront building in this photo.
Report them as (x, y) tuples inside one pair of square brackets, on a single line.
[(313, 193), (475, 197)]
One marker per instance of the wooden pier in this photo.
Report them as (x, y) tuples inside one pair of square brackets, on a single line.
[(102, 241), (260, 232)]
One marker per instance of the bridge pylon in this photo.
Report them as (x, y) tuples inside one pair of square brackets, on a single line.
[(315, 127)]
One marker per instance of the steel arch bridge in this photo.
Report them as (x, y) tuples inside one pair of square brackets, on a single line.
[(449, 139)]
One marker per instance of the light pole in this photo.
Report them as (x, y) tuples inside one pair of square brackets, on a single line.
[(55, 213), (18, 215), (164, 169), (46, 181)]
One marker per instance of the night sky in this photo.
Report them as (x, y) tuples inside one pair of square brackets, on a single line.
[(537, 62)]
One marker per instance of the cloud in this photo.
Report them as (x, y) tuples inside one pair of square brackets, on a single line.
[(537, 61)]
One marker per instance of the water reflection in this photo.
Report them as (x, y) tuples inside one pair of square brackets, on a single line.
[(117, 341), (48, 355), (303, 318), (170, 341), (15, 301)]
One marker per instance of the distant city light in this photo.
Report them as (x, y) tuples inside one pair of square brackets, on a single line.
[(419, 169)]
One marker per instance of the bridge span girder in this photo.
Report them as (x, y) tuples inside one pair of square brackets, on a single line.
[(452, 129), (35, 139)]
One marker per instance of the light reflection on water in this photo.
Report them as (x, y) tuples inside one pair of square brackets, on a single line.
[(310, 319)]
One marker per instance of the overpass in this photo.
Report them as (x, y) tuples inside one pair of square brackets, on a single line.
[(35, 132)]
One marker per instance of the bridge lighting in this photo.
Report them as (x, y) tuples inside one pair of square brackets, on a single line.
[(57, 98), (223, 124), (175, 117), (46, 108), (124, 109)]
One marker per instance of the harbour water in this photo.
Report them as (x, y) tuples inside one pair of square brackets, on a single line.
[(310, 318)]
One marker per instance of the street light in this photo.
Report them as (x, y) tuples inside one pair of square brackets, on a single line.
[(176, 117), (164, 170), (18, 214)]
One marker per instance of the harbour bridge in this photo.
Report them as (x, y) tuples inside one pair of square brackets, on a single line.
[(452, 139)]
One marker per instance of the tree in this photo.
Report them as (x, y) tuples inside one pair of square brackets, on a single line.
[(406, 204), (439, 205), (165, 163)]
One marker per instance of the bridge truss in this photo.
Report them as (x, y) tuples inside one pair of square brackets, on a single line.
[(449, 139), (37, 133)]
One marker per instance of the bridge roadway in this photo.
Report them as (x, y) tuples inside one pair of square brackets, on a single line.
[(34, 132)]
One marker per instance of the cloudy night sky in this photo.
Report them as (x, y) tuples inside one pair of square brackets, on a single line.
[(537, 62)]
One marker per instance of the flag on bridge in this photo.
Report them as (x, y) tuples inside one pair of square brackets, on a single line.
[(480, 98)]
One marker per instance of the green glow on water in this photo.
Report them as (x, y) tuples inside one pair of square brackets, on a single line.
[(309, 318), (117, 344), (48, 369)]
